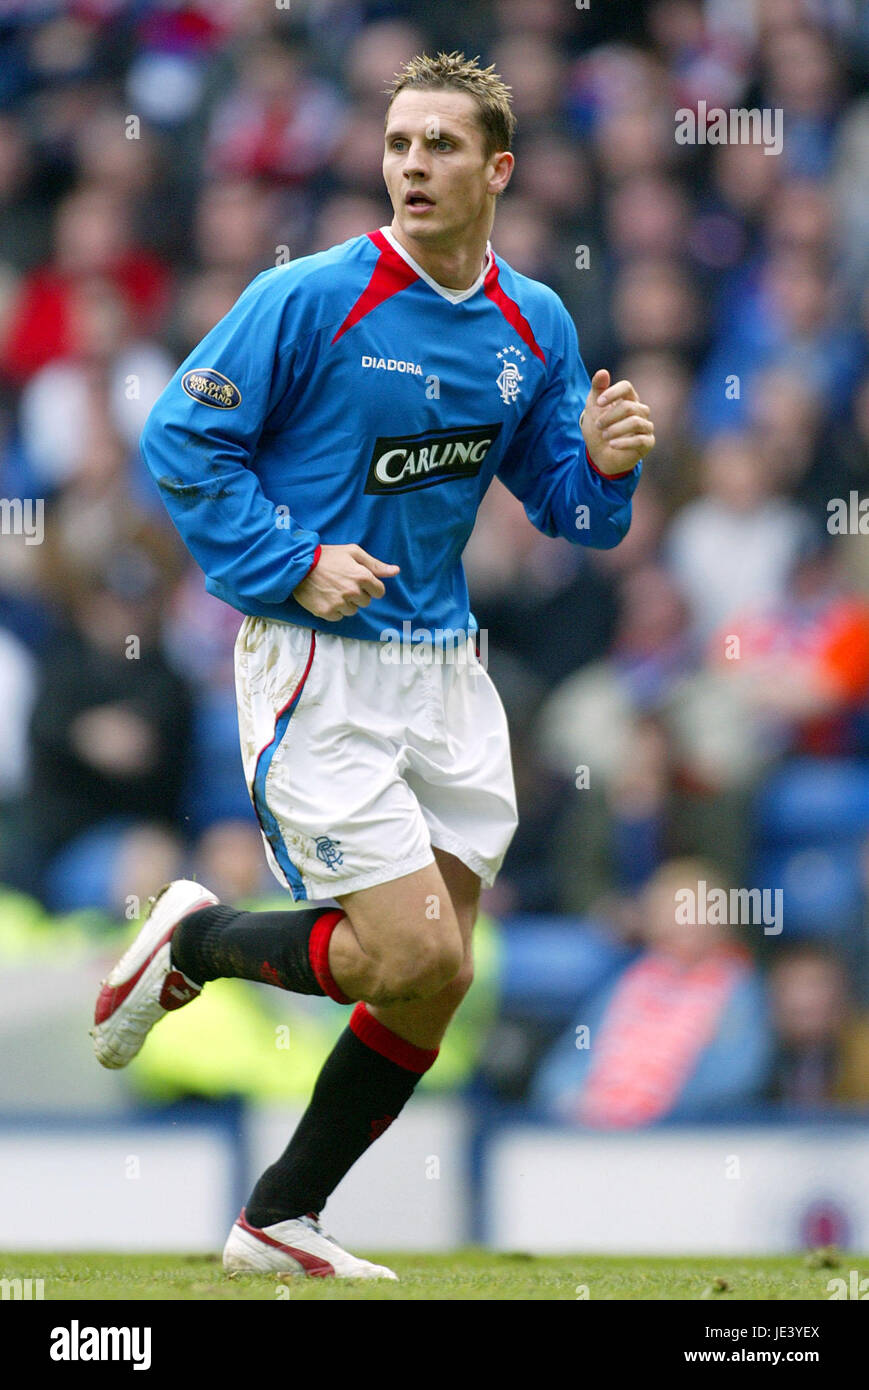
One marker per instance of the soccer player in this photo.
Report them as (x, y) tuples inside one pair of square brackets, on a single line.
[(323, 453)]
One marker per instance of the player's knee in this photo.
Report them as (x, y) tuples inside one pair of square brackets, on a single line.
[(455, 990), (426, 968), (445, 965)]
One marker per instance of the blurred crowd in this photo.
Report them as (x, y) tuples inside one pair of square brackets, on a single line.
[(702, 690)]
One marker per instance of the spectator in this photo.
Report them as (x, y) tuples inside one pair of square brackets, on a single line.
[(549, 605), (741, 514), (108, 371), (108, 743), (822, 1040), (279, 121), (681, 1033), (788, 676), (92, 238)]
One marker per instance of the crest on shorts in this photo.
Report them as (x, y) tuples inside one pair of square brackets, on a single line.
[(328, 852), (509, 378)]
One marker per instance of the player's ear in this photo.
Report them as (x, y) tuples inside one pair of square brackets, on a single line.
[(502, 170)]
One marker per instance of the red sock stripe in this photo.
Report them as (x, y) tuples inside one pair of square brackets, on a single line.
[(318, 954), (379, 1038)]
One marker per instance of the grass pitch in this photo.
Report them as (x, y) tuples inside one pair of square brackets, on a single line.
[(466, 1274)]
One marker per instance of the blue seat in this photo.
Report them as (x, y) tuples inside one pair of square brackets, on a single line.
[(548, 963), (814, 801), (822, 888)]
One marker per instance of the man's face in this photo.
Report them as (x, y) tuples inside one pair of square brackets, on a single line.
[(435, 166)]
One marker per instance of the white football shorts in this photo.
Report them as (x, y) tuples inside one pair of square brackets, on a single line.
[(360, 757)]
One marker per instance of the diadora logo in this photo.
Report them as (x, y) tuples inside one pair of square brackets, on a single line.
[(509, 378), (406, 462), (392, 364)]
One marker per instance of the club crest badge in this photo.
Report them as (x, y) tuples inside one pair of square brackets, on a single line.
[(328, 852), (509, 378)]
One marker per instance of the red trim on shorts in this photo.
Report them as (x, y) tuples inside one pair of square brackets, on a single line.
[(610, 477), (318, 954), (374, 1034), (282, 711), (258, 792)]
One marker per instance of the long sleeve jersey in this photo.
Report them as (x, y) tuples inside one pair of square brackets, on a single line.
[(347, 397)]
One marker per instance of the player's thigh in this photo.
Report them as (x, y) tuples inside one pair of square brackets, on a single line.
[(463, 888), (407, 922)]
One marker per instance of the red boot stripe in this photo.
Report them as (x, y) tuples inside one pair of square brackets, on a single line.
[(111, 997), (313, 1266)]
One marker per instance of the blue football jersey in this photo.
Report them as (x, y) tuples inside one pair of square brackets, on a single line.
[(347, 397)]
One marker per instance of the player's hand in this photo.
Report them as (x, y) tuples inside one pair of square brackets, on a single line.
[(616, 425), (344, 579)]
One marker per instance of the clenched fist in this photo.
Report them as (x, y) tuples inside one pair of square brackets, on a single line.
[(344, 579), (616, 425)]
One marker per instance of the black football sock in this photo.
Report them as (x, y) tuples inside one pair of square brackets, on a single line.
[(366, 1080), (287, 949)]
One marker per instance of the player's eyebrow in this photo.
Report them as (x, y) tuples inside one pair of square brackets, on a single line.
[(398, 134)]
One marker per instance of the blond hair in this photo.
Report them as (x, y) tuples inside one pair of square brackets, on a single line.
[(456, 73)]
